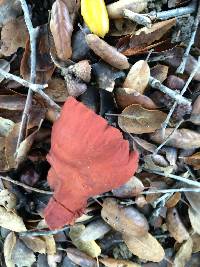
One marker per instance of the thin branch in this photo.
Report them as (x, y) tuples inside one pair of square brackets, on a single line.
[(26, 186), (164, 191), (33, 32), (176, 177), (138, 18), (173, 94), (33, 86), (165, 123), (173, 13), (43, 233), (181, 67)]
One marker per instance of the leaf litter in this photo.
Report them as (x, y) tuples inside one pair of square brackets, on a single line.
[(99, 166)]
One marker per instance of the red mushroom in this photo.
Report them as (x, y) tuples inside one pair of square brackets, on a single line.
[(87, 157)]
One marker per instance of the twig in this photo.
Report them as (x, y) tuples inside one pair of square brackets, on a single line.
[(33, 32), (168, 137), (138, 18), (26, 186), (181, 67), (33, 86), (176, 177), (173, 94), (43, 233), (165, 123), (164, 191), (173, 13)]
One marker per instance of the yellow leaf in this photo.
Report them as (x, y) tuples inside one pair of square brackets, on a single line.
[(95, 16)]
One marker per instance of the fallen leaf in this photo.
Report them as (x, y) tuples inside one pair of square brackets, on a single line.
[(173, 200), (107, 52), (175, 226), (115, 10), (126, 97), (5, 126), (159, 72), (193, 160), (57, 90), (110, 262), (3, 162), (131, 188), (70, 199), (9, 10), (12, 102), (146, 36), (22, 255), (81, 70), (195, 115), (138, 120), (8, 199), (122, 27), (194, 200), (97, 22), (61, 28), (50, 244), (36, 244), (5, 65), (126, 220), (138, 77), (13, 36), (196, 243), (95, 230), (194, 219), (184, 254), (11, 221), (80, 258), (181, 138), (9, 244), (44, 65), (89, 247), (145, 247)]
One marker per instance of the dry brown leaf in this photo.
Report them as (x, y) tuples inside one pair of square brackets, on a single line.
[(36, 244), (130, 189), (181, 138), (126, 220), (95, 230), (175, 226), (90, 247), (195, 115), (3, 161), (144, 144), (9, 244), (145, 247), (5, 126), (81, 70), (110, 262), (50, 244), (184, 254), (194, 199), (159, 72), (196, 243), (193, 160), (57, 90), (80, 258), (11, 221), (61, 28), (13, 36), (122, 27), (7, 199), (146, 36), (12, 102), (115, 10), (138, 120), (9, 10), (44, 65), (194, 219), (125, 99), (173, 200), (107, 52), (138, 77)]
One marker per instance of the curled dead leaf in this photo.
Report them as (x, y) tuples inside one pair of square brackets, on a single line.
[(80, 258), (138, 120), (9, 244), (175, 226), (184, 254), (61, 28), (193, 160), (173, 200), (138, 77), (57, 90), (181, 138), (145, 247), (127, 220), (160, 72), (90, 247), (125, 99)]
